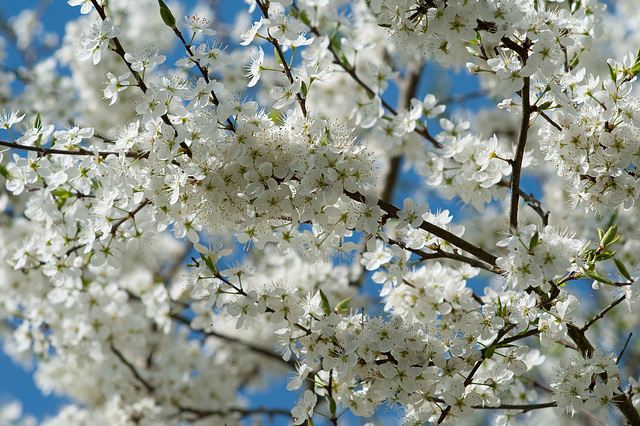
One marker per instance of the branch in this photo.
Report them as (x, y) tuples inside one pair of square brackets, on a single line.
[(532, 202), (131, 368), (116, 225), (244, 412), (199, 413), (250, 346), (422, 131), (602, 313), (203, 72), (523, 407), (80, 152), (476, 367), (130, 215), (441, 254), (264, 8), (463, 97), (516, 165), (622, 400), (392, 212), (536, 206), (549, 120), (119, 50), (408, 88)]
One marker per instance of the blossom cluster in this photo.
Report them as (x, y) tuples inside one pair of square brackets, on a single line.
[(594, 144), (537, 257), (139, 162)]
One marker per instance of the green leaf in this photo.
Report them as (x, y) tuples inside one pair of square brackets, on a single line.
[(612, 73), (167, 16), (275, 53), (488, 353), (635, 68), (61, 193), (332, 405), (342, 306), (209, 263), (622, 269), (574, 61), (545, 105), (534, 241), (610, 236), (584, 251), (304, 17), (4, 171), (325, 303), (597, 276), (606, 255)]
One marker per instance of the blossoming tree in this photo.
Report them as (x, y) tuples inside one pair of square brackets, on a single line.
[(131, 181)]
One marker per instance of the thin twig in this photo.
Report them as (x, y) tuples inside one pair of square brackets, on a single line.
[(392, 212), (422, 131), (243, 412), (602, 313), (441, 254), (283, 61), (476, 367), (624, 347), (523, 407), (119, 50), (516, 164), (131, 368), (463, 97), (249, 346), (79, 152)]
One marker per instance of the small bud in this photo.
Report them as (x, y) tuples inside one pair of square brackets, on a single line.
[(472, 68)]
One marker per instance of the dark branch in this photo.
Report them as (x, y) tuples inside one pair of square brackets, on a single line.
[(80, 152), (131, 368), (392, 212)]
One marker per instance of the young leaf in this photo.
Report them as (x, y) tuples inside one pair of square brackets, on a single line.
[(4, 171), (545, 105), (610, 236), (622, 269), (612, 73), (332, 405), (275, 53), (209, 263), (597, 276), (606, 255), (488, 353), (342, 306), (167, 16), (635, 68), (325, 303), (535, 240)]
